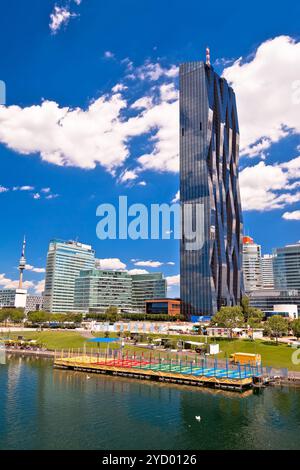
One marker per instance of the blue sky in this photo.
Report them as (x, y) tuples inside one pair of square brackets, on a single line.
[(91, 114)]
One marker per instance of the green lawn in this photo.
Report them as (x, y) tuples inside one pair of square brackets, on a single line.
[(277, 356), (272, 355), (55, 339)]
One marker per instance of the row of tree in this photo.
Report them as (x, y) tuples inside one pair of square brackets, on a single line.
[(112, 315), (13, 315), (245, 315), (44, 317), (17, 315)]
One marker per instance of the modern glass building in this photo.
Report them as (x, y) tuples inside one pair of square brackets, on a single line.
[(65, 260), (252, 265), (266, 299), (286, 266), (147, 287), (267, 271), (97, 290), (211, 275)]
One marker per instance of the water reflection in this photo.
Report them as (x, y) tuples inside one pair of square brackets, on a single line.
[(42, 408)]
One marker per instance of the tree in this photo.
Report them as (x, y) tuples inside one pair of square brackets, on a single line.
[(4, 315), (112, 314), (276, 326), (38, 317), (228, 317), (296, 328), (17, 315), (251, 314), (245, 305)]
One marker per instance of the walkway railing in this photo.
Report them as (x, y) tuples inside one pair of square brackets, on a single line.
[(173, 363)]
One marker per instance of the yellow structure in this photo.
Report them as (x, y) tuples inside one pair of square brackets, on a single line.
[(246, 358)]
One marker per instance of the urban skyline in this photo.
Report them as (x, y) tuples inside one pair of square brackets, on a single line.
[(150, 214), (59, 188)]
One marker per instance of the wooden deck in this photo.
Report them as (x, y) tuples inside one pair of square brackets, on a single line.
[(155, 372)]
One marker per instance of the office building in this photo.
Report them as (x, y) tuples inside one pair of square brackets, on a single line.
[(145, 287), (34, 303), (97, 290), (13, 298), (211, 274), (65, 260), (163, 307), (286, 264), (267, 271), (283, 310), (265, 300), (252, 267)]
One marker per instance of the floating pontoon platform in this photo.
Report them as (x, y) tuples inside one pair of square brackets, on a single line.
[(195, 373)]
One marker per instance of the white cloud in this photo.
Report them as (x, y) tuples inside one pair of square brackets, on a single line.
[(97, 135), (3, 189), (148, 264), (176, 197), (29, 267), (268, 187), (7, 283), (128, 175), (36, 196), (165, 154), (59, 17), (68, 137), (39, 287), (291, 215), (110, 264), (142, 183), (171, 263), (168, 92), (145, 102), (109, 55), (266, 93), (173, 280), (138, 271), (46, 190), (154, 71), (23, 188), (52, 196)]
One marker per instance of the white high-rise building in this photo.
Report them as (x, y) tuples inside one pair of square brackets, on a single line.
[(65, 260), (267, 271), (252, 265), (13, 298)]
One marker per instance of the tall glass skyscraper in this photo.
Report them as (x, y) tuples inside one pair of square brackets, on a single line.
[(65, 260), (286, 265), (211, 274)]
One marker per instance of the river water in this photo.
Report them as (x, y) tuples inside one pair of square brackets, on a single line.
[(43, 408)]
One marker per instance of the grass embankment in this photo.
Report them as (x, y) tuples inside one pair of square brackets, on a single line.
[(277, 356)]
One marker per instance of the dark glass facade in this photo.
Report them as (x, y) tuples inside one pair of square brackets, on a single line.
[(211, 276), (286, 267)]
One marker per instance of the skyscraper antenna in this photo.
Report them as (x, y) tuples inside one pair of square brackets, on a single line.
[(208, 56), (22, 264)]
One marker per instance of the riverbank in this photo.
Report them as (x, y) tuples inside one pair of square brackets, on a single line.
[(27, 352), (277, 357)]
